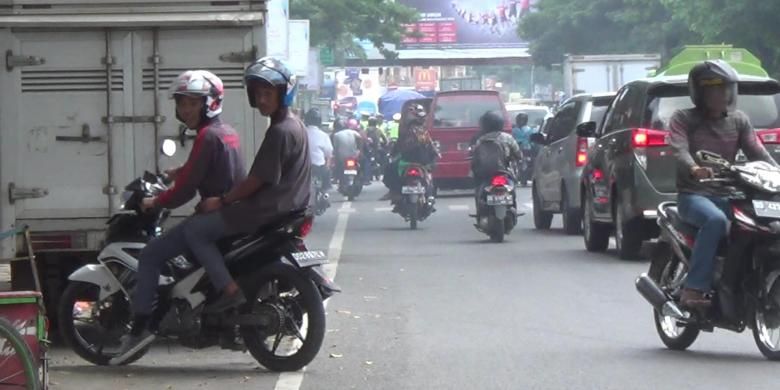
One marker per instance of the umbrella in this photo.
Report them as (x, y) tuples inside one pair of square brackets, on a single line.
[(391, 102)]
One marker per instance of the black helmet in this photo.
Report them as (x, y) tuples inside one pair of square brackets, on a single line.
[(312, 117), (372, 122), (491, 121), (274, 72), (711, 73), (521, 119)]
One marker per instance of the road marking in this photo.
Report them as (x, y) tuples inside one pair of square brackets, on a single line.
[(529, 205), (293, 380), (459, 207), (383, 209)]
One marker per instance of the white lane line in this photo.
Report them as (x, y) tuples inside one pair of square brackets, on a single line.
[(293, 380), (529, 205), (459, 207), (383, 209)]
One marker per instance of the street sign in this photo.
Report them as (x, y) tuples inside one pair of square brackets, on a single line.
[(326, 57)]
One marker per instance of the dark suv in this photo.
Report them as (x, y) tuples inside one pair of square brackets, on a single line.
[(559, 163), (631, 168)]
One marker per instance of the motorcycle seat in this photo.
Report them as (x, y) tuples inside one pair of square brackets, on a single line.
[(292, 219), (677, 221)]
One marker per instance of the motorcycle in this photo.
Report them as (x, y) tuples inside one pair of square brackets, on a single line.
[(525, 169), (350, 183), (747, 276), (417, 200), (283, 281), (321, 197), (497, 207)]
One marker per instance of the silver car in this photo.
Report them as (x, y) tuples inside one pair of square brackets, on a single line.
[(559, 163)]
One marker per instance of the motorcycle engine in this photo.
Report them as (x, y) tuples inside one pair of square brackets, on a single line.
[(181, 319)]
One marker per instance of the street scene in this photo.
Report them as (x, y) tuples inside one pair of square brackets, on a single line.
[(318, 194)]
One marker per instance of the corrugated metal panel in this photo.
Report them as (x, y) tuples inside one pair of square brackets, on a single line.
[(81, 7), (224, 19)]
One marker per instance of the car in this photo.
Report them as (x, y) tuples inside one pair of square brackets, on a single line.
[(536, 114), (630, 167), (453, 122), (555, 184)]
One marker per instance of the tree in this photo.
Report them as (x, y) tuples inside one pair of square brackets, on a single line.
[(602, 27), (336, 23), (751, 24)]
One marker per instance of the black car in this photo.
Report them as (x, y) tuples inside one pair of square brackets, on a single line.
[(631, 169)]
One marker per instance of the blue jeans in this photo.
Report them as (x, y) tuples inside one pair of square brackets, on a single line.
[(198, 235), (711, 215)]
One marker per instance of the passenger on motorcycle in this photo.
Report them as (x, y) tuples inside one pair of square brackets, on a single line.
[(494, 150), (320, 147), (522, 132), (713, 125), (414, 146), (212, 168)]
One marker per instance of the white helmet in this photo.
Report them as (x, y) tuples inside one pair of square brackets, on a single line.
[(200, 83)]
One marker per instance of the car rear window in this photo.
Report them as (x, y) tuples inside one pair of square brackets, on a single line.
[(763, 110), (462, 111), (535, 117)]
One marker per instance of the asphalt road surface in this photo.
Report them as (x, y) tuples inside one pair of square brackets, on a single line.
[(443, 308)]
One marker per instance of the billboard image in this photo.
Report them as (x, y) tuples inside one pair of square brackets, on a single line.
[(463, 24)]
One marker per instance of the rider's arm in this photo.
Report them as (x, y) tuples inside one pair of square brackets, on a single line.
[(190, 176), (514, 148), (748, 142), (266, 170), (679, 141)]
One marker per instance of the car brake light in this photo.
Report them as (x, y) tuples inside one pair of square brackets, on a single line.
[(643, 138), (771, 136), (499, 181), (582, 151), (350, 163), (413, 172)]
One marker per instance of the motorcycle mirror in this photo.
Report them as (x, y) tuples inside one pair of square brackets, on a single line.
[(168, 147), (707, 157)]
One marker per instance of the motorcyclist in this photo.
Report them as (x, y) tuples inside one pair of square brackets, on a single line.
[(414, 146), (493, 150), (719, 128), (522, 132), (347, 143), (320, 147), (212, 168)]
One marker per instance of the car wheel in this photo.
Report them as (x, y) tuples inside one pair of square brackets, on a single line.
[(572, 217), (542, 219), (595, 234), (628, 235)]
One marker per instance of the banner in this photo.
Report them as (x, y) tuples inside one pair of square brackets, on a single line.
[(467, 24), (276, 28), (299, 46)]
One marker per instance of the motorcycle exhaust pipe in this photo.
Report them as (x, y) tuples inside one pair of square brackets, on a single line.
[(658, 298)]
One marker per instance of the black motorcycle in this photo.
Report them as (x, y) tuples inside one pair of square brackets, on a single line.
[(417, 198), (350, 183), (747, 277), (497, 206), (282, 324), (321, 198), (525, 167)]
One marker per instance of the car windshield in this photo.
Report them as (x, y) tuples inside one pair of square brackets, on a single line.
[(463, 111), (763, 110)]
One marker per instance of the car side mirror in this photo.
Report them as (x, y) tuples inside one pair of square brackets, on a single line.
[(538, 138), (586, 129)]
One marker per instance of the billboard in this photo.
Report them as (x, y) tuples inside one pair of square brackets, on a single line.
[(277, 35), (298, 46), (467, 24)]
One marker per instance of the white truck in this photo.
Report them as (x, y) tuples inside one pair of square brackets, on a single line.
[(605, 73), (84, 108)]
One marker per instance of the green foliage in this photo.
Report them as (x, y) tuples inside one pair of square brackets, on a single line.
[(336, 23)]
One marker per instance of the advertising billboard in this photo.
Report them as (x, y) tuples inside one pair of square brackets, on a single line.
[(298, 46), (467, 24)]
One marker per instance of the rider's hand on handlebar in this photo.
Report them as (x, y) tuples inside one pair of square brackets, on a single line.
[(702, 172), (148, 204), (172, 173)]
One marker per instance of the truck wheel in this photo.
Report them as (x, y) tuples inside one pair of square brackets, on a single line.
[(542, 219)]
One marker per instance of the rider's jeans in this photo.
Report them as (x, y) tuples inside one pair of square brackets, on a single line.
[(711, 215), (198, 235)]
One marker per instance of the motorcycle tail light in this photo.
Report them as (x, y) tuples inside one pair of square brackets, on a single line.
[(306, 227), (413, 172), (499, 180), (351, 163)]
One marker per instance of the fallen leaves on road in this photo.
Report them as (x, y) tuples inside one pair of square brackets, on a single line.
[(356, 317), (336, 355), (347, 312), (369, 297), (331, 330), (369, 362), (245, 379)]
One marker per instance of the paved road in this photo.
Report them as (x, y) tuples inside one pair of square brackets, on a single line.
[(442, 308)]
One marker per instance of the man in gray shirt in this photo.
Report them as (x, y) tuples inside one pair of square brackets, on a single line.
[(713, 125)]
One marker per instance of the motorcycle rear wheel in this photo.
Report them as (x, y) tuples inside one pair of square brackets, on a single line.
[(496, 228), (282, 279), (674, 335)]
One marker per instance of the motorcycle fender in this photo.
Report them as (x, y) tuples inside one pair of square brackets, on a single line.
[(500, 212), (413, 199), (98, 275), (320, 278)]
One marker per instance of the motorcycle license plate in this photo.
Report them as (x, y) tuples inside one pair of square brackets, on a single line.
[(310, 258), (499, 200), (350, 173), (412, 190), (766, 209)]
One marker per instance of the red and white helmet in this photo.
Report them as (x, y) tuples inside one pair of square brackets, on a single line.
[(200, 83)]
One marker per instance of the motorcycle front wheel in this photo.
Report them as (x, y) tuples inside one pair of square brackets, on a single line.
[(92, 327), (766, 326), (295, 336)]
